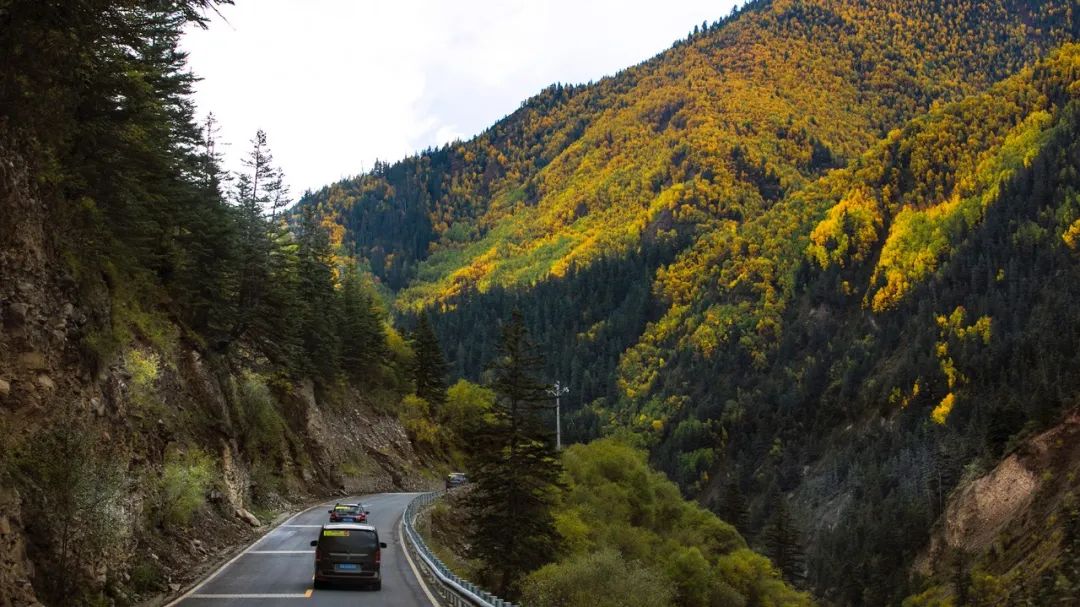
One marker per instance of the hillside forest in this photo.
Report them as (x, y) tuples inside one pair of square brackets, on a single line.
[(818, 258)]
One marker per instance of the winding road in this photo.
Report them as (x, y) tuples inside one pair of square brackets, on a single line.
[(277, 569)]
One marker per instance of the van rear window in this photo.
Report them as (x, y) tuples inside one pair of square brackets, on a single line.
[(348, 540)]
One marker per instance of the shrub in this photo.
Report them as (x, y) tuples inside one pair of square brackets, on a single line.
[(416, 417), (184, 482), (144, 373), (597, 579), (262, 425), (65, 469)]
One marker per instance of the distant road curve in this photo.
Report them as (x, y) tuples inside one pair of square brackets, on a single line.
[(277, 569)]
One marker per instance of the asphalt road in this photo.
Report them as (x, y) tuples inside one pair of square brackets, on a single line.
[(277, 569)]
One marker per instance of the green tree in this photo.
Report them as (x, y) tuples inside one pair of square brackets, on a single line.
[(733, 506), (598, 579), (429, 367), (783, 545), (363, 334), (317, 314), (514, 462), (81, 486), (266, 268)]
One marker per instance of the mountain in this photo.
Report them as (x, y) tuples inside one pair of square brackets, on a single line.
[(819, 253)]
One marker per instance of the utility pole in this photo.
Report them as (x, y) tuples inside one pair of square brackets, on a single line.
[(557, 391)]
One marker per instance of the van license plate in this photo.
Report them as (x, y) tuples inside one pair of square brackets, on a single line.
[(347, 566)]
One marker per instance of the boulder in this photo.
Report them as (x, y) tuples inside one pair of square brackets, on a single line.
[(18, 314), (5, 388), (248, 517), (32, 361), (46, 382)]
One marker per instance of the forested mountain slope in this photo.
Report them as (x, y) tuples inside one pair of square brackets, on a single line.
[(601, 185), (859, 340), (717, 128)]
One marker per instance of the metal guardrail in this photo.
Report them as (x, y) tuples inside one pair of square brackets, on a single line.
[(453, 590)]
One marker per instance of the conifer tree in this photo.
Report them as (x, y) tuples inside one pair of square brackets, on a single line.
[(783, 545), (514, 462), (734, 508), (429, 369), (317, 305), (363, 336)]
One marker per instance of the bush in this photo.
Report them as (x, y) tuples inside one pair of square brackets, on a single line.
[(262, 425), (143, 369), (597, 579), (184, 482), (615, 503), (65, 469), (416, 417)]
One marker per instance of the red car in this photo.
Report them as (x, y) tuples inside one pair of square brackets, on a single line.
[(348, 513)]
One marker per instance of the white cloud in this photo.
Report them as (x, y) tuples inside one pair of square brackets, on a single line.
[(339, 83)]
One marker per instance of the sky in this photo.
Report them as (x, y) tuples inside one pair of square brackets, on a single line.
[(337, 84)]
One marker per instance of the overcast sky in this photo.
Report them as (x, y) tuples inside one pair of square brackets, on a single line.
[(337, 84)]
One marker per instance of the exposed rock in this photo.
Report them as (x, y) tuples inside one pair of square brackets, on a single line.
[(1014, 499), (5, 388), (97, 407), (32, 361), (46, 382), (15, 567), (18, 313), (248, 517)]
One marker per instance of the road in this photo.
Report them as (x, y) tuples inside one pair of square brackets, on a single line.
[(277, 569)]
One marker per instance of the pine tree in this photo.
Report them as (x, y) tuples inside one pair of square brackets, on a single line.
[(783, 545), (516, 469), (266, 265), (734, 508), (317, 306), (429, 368), (961, 580), (363, 335)]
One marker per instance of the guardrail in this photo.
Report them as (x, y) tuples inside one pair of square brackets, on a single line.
[(453, 590)]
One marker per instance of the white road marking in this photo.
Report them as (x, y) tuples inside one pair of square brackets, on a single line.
[(412, 565), (206, 580), (301, 526), (282, 552), (252, 596)]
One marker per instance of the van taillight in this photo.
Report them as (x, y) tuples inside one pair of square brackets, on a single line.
[(378, 556), (318, 555)]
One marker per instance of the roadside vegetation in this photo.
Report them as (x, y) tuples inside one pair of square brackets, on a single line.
[(551, 529)]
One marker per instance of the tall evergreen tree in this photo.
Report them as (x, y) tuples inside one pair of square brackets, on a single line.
[(734, 507), (429, 368), (317, 306), (783, 545), (363, 336), (516, 469)]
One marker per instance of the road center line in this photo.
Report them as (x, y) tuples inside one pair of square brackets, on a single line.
[(282, 552), (300, 526)]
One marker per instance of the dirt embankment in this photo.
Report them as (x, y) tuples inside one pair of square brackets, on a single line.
[(1010, 515)]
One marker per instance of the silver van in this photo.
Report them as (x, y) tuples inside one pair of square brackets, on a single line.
[(348, 552)]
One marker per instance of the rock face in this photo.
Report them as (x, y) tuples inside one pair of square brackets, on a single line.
[(15, 567), (1009, 509)]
